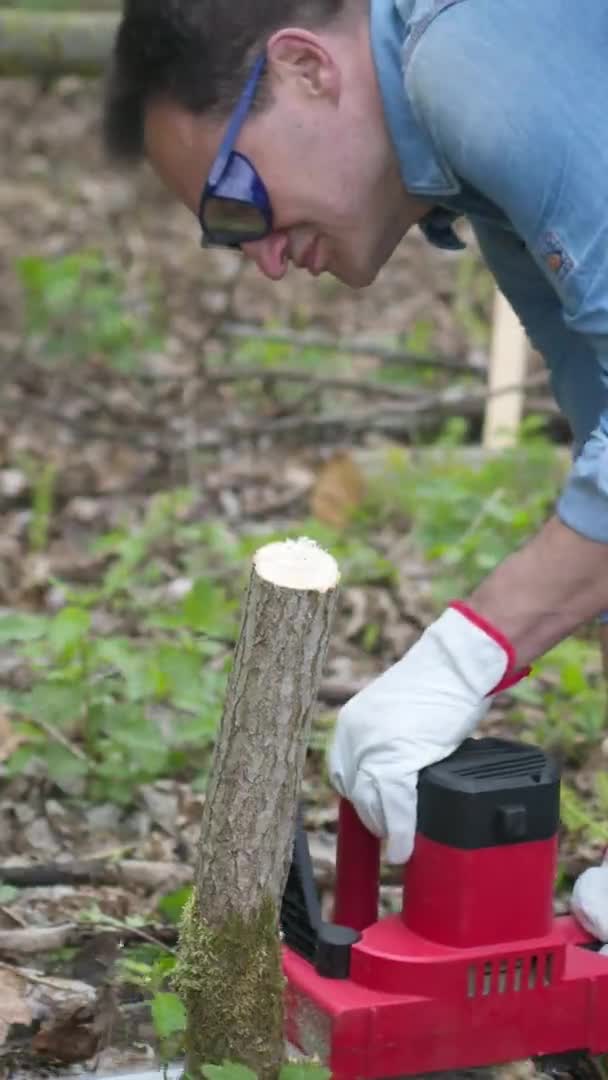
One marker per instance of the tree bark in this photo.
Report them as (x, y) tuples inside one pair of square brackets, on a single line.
[(65, 43), (229, 970)]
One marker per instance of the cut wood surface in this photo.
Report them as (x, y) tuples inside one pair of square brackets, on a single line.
[(64, 43), (229, 969)]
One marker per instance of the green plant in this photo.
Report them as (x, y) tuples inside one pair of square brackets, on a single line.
[(149, 968), (42, 478), (466, 515), (567, 693), (115, 713), (76, 310), (580, 818), (419, 342)]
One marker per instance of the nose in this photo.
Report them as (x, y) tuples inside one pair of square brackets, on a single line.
[(270, 254)]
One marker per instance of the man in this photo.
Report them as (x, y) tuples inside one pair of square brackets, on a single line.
[(318, 132)]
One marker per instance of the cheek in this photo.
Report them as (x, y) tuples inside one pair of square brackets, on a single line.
[(299, 175)]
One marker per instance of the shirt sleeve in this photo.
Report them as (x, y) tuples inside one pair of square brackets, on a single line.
[(517, 142)]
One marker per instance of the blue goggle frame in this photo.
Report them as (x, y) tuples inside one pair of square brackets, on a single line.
[(235, 207)]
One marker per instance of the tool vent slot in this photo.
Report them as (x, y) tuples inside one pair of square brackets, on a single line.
[(522, 765), (500, 976)]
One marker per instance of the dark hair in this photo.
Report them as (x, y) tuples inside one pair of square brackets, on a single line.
[(195, 53)]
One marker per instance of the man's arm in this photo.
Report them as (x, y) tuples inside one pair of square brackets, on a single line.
[(422, 708), (559, 580), (542, 593)]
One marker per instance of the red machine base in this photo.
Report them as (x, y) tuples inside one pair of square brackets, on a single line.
[(412, 1006)]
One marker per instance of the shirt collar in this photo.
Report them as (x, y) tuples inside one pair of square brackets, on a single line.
[(420, 169)]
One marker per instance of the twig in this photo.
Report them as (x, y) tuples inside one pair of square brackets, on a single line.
[(317, 382), (393, 419), (345, 345), (401, 419), (97, 872), (82, 427), (58, 736), (34, 940), (32, 976), (122, 928), (137, 931)]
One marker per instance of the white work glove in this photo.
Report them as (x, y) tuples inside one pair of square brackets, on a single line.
[(589, 900), (416, 713)]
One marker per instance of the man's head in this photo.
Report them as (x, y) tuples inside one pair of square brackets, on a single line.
[(315, 133)]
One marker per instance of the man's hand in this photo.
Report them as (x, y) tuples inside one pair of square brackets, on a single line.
[(415, 714)]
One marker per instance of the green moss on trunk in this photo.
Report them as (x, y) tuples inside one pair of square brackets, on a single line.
[(230, 980)]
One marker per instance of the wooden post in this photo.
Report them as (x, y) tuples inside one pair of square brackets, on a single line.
[(508, 366), (229, 970)]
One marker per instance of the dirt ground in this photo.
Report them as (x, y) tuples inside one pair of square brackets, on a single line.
[(58, 196)]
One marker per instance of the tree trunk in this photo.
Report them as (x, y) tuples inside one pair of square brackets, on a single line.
[(229, 970), (39, 43)]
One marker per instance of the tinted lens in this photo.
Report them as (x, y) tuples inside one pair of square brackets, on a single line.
[(230, 217)]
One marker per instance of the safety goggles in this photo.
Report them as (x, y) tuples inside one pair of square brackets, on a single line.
[(235, 208)]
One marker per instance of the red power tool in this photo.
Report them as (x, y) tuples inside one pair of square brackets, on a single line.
[(475, 970)]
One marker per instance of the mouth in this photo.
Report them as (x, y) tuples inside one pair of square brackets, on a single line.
[(312, 258)]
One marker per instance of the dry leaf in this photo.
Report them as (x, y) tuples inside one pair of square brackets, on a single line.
[(80, 1033), (13, 1006), (60, 1006), (338, 491)]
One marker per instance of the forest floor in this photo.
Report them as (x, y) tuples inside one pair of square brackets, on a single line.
[(150, 440)]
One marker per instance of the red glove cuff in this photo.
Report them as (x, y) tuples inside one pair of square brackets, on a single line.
[(512, 675)]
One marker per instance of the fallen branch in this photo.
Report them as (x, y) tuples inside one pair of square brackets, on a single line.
[(346, 346), (36, 940), (406, 419), (410, 416), (131, 873), (44, 44), (369, 387)]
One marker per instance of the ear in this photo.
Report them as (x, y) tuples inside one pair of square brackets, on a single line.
[(298, 58)]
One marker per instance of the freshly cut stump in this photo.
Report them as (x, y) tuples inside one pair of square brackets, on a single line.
[(229, 969)]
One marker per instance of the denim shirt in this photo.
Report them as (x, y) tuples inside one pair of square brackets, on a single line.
[(498, 110)]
